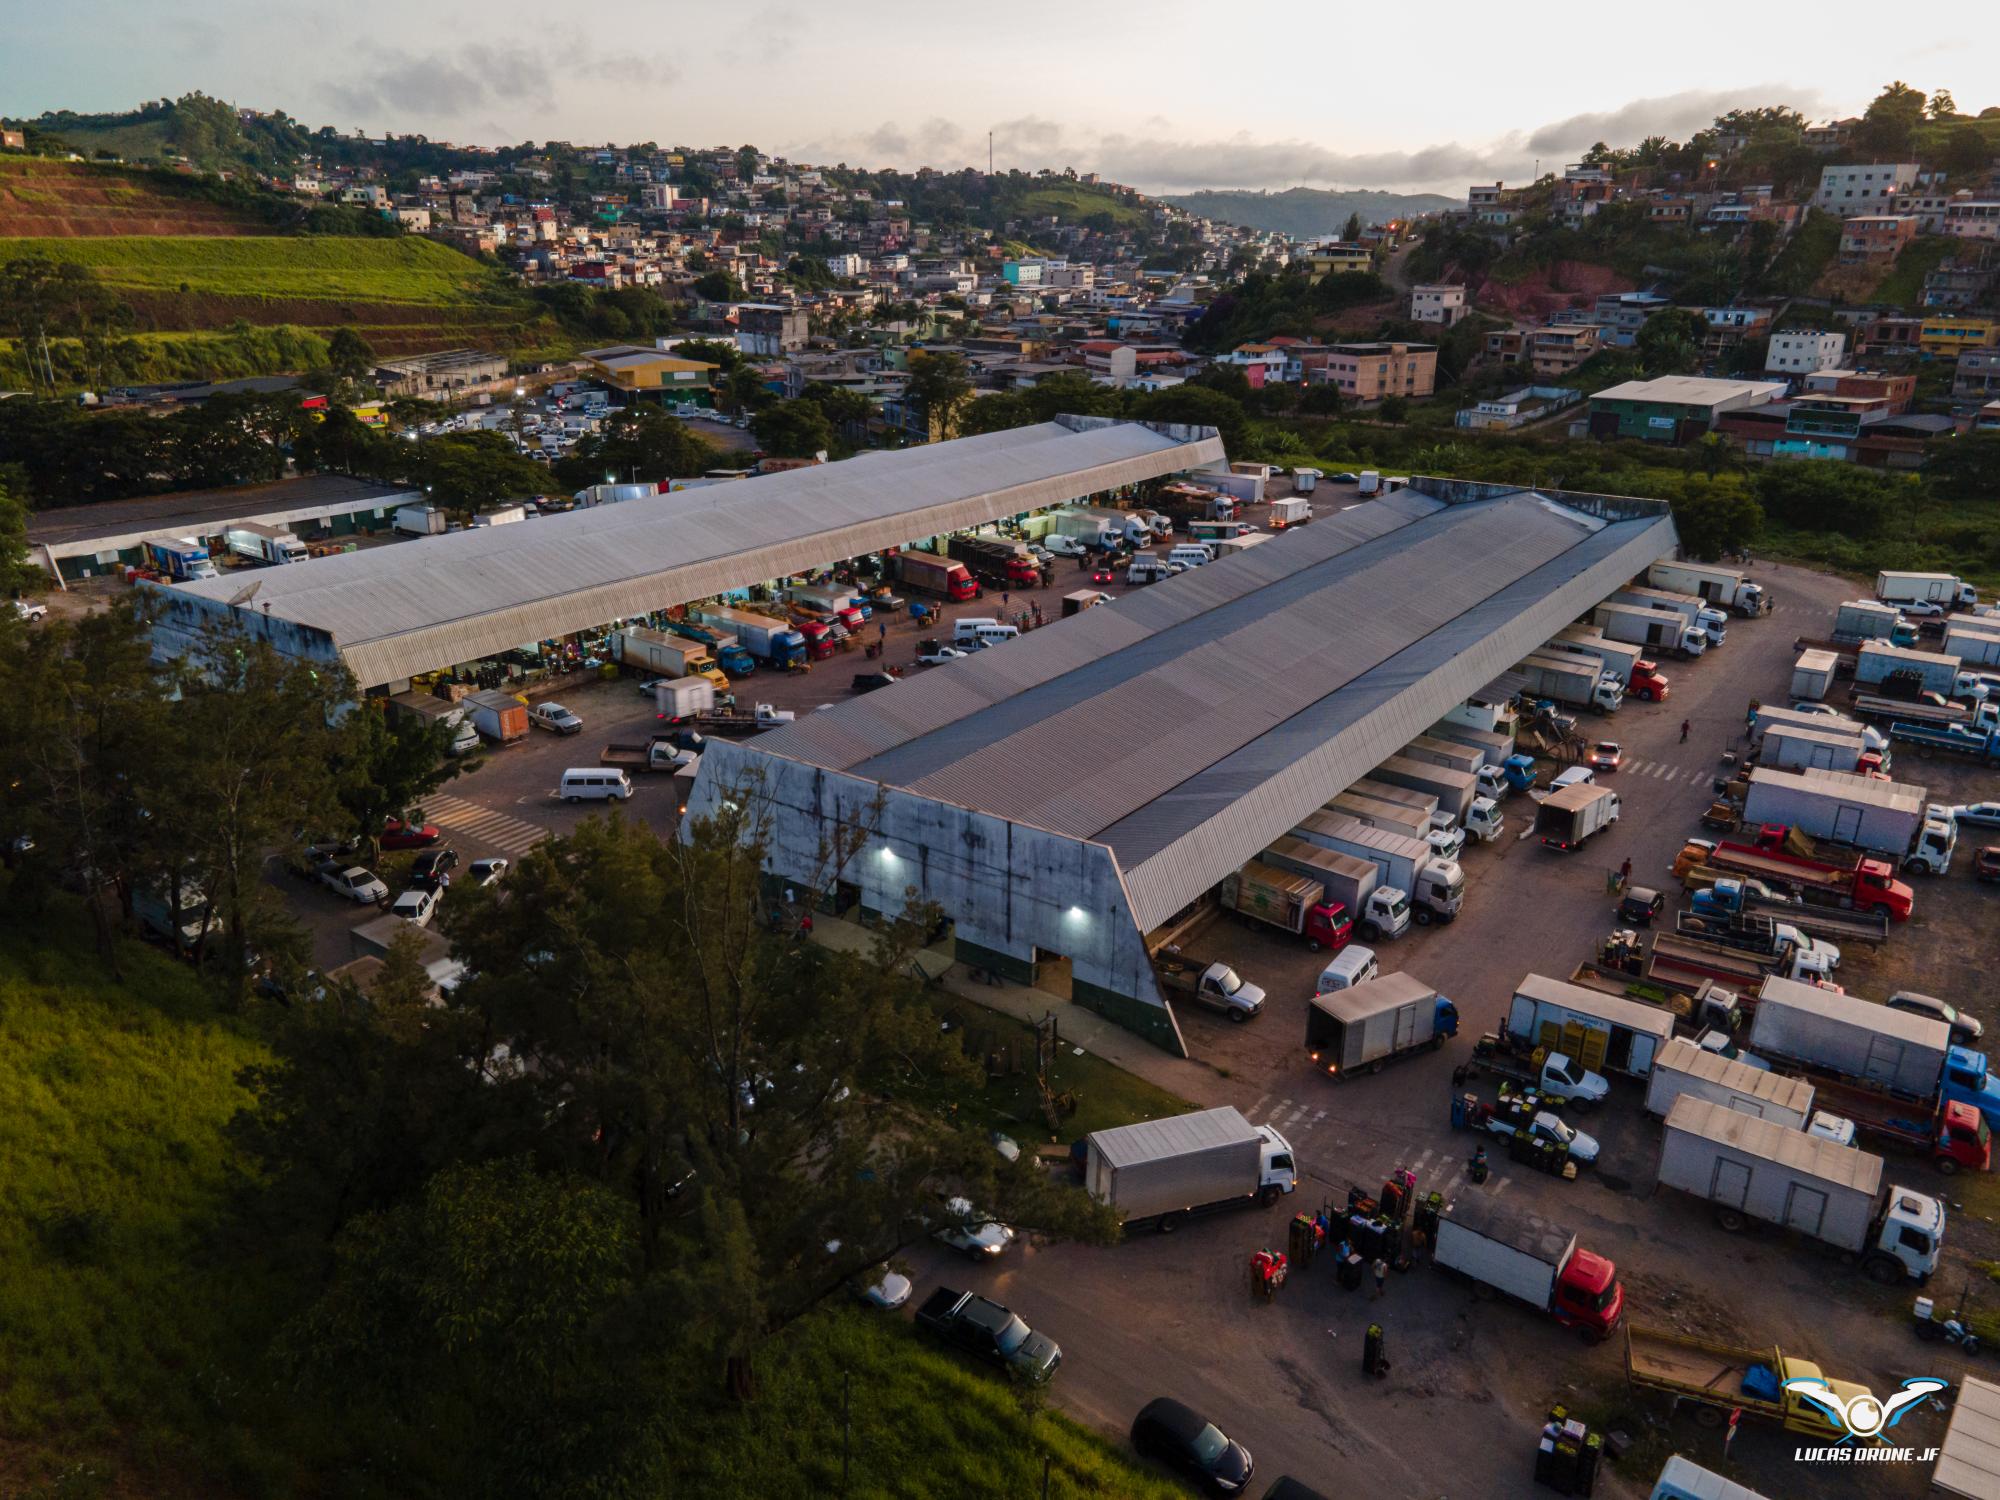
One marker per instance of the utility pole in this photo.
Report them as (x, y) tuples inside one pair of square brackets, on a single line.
[(989, 153)]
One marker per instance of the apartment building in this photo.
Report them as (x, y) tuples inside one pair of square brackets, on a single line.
[(1370, 372), (1944, 337), (1891, 393), (1864, 188), (1871, 237), (1976, 376), (1336, 259), (1973, 219), (1802, 351), (1559, 349)]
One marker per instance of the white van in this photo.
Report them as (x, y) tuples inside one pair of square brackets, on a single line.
[(1191, 554), (987, 631), (1353, 965), (594, 784), (1150, 569)]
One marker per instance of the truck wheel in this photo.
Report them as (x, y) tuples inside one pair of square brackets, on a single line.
[(1370, 931), (1708, 1416), (1422, 916), (1947, 1165), (1169, 1223), (1884, 1270), (1730, 1219), (1437, 1042), (1272, 1192), (1591, 1335), (1238, 1017), (1312, 945)]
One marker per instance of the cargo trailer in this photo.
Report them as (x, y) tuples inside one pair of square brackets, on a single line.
[(1393, 816), (1861, 620), (1435, 887), (1725, 588), (1659, 630), (1382, 791), (1859, 811), (1925, 588), (500, 717), (1492, 745), (1164, 1171), (1974, 643), (1598, 1031), (1455, 790), (264, 544), (1431, 751), (1785, 748), (1813, 675), (1683, 1068), (1576, 681), (1850, 1037), (1619, 658), (1902, 671)]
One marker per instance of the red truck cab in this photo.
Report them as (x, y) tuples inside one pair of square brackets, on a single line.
[(1589, 1296), (1328, 927), (819, 640), (1871, 882), (1647, 682), (1023, 573), (1964, 1143)]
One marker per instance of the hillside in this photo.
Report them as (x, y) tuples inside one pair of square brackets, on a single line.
[(42, 197), (1305, 212)]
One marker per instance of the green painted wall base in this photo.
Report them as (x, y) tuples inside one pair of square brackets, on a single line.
[(993, 961), (1151, 1021)]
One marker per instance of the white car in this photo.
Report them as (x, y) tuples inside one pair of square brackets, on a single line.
[(1983, 814), (1924, 609), (556, 718), (485, 871), (354, 882), (941, 655), (1814, 708), (417, 905), (1574, 776), (975, 1239), (886, 1292), (27, 609)]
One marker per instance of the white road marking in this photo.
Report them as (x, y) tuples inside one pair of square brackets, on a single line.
[(1674, 773), (1252, 1112), (504, 831)]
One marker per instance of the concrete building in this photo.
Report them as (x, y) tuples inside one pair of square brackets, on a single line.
[(1867, 237), (1069, 796), (1557, 350), (1865, 188), (1518, 408), (392, 612), (640, 371), (1437, 304), (767, 329), (431, 375), (1803, 351), (1370, 372), (1674, 408), (1336, 259)]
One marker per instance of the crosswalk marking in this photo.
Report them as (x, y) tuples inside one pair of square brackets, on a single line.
[(1674, 773), (503, 831)]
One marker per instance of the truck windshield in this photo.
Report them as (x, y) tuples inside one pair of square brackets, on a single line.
[(1398, 906), (1012, 1335), (1228, 982), (1556, 1128)]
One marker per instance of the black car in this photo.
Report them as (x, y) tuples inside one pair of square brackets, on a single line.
[(1192, 1445), (432, 871), (868, 682)]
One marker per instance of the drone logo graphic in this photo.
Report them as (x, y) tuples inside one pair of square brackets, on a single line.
[(1862, 1415)]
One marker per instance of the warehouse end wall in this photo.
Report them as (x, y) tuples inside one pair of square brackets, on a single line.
[(1010, 889), (184, 624)]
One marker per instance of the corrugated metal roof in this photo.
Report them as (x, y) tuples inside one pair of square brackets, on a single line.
[(1824, 1160), (442, 600), (1682, 1056), (1969, 1458)]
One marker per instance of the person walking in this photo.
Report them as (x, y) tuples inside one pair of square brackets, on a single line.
[(1381, 1270), (1003, 599), (1684, 731), (1625, 873)]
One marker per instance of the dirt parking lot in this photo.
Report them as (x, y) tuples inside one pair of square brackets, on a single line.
[(1470, 1381)]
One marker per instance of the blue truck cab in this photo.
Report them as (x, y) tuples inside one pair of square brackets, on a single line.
[(1968, 1081), (1514, 774)]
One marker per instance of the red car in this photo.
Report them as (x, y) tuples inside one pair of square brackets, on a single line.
[(1986, 864), (1103, 575), (396, 834)]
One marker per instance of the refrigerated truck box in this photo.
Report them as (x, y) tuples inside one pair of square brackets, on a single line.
[(1348, 880), (1453, 789), (1493, 746), (1158, 1166), (1393, 816), (1968, 1462), (1616, 657), (1813, 674), (1769, 714), (1432, 751), (1771, 1173), (1860, 811), (1684, 1479), (1512, 1251), (1788, 748), (1371, 1021), (1851, 1037), (1598, 1031), (499, 716), (1866, 620), (1382, 791), (1398, 859), (1683, 1068), (1687, 606), (1974, 643)]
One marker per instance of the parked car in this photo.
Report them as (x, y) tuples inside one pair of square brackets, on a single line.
[(28, 609), (1064, 546), (1965, 1030), (1606, 755), (555, 718), (1574, 776), (1102, 575), (1187, 1442), (647, 685), (882, 1288), (1923, 609), (396, 834), (970, 1236), (432, 871), (484, 872), (1982, 814), (417, 905), (936, 653), (354, 882), (1343, 477), (1986, 863), (1815, 708), (868, 682)]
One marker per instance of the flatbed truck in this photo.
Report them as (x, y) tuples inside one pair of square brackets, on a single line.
[(1716, 1378)]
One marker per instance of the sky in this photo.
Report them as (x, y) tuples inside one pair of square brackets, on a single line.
[(1165, 95)]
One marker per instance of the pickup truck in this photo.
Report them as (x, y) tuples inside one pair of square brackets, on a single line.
[(989, 1331), (1559, 1077), (1215, 986), (1514, 1114), (659, 753), (353, 882)]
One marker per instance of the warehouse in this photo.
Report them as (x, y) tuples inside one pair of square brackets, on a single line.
[(394, 612), (1064, 795), (80, 541)]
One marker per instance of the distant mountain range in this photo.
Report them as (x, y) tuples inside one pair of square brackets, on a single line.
[(1303, 211)]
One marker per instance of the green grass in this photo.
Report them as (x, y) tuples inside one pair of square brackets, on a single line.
[(924, 1424), (1074, 202), (314, 269), (1904, 286), (113, 1167), (1104, 1094)]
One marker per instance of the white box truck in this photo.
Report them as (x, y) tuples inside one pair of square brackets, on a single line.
[(1683, 1068), (1455, 790), (1619, 658), (1659, 630), (1869, 620), (1926, 588), (1723, 587), (1881, 816), (1573, 680), (1163, 1172), (1434, 887), (1524, 1256), (1751, 1169), (1294, 510), (1355, 883), (1684, 1479), (1788, 748), (1813, 674), (264, 544), (420, 520), (1824, 1030), (1358, 1029)]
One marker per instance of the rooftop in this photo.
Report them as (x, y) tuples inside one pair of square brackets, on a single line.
[(1692, 390), (102, 527)]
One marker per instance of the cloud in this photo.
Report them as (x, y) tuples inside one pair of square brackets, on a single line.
[(447, 86), (1158, 161)]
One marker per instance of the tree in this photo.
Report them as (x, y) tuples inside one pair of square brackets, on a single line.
[(718, 286), (1351, 233), (637, 444), (1892, 118), (1716, 516), (464, 471), (349, 355), (793, 429), (1073, 392), (1669, 342), (1966, 468), (1967, 151), (1394, 409), (1197, 406), (1943, 106), (1000, 411), (939, 387), (383, 769)]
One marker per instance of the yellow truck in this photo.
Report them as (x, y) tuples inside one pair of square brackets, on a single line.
[(1717, 1379)]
